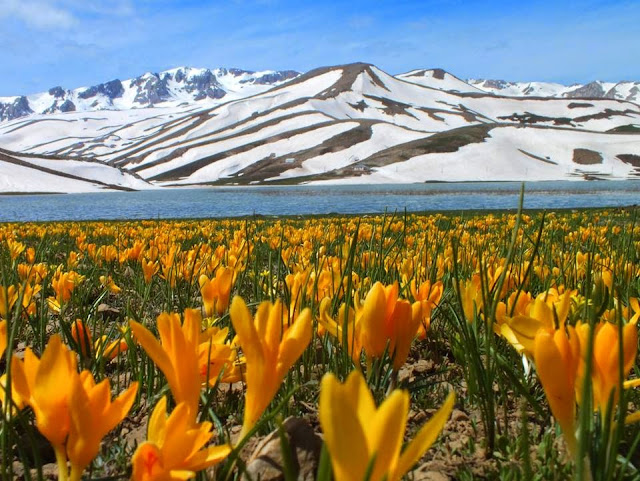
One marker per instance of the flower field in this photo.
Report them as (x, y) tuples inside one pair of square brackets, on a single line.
[(477, 346)]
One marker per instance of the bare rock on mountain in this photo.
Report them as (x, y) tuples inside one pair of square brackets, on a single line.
[(205, 85), (67, 106), (57, 92), (111, 90), (275, 77), (150, 89), (592, 90), (496, 84), (57, 106), (15, 109)]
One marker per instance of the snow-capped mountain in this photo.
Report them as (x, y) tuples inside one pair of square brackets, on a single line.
[(22, 173), (438, 79), (350, 123), (629, 91), (168, 88)]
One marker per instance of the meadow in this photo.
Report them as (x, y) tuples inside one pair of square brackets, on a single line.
[(426, 346)]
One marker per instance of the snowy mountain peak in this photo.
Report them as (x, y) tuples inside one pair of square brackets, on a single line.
[(438, 78), (626, 90), (347, 123), (168, 88), (186, 85)]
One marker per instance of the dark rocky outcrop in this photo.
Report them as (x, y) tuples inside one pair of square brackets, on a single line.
[(57, 92), (496, 84), (236, 72), (276, 77), (592, 90), (205, 85), (13, 110), (112, 90), (67, 106), (151, 89)]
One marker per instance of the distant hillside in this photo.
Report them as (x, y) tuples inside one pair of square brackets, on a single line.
[(349, 123)]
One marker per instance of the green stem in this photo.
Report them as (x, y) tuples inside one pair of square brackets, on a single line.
[(76, 473), (61, 459)]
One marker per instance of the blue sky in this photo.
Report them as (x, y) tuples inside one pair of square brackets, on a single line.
[(73, 43)]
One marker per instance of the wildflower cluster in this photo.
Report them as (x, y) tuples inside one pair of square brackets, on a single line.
[(210, 332)]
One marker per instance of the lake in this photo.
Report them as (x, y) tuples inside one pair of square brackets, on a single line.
[(302, 200)]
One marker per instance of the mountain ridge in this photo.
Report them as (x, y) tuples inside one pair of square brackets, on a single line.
[(166, 88), (190, 84), (350, 123)]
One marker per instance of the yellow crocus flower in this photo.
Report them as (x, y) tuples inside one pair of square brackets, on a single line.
[(373, 315), (176, 355), (8, 297), (335, 327), (605, 368), (45, 385), (15, 248), (356, 433), (109, 350), (108, 283), (384, 318), (471, 296), (543, 313), (175, 446), (93, 415), (81, 335), (429, 296), (149, 269), (3, 337), (216, 356), (557, 358), (3, 346), (270, 349), (215, 292)]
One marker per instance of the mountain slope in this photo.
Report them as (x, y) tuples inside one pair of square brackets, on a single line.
[(352, 122), (23, 173), (628, 91), (169, 88), (438, 79)]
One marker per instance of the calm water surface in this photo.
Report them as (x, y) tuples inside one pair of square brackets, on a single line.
[(300, 200)]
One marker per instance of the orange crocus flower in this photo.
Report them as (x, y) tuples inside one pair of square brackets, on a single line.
[(93, 415), (270, 349), (215, 292), (557, 358), (386, 318), (176, 355), (8, 297), (109, 350), (216, 356), (149, 269), (45, 385), (81, 335), (3, 336), (429, 296), (605, 368), (175, 447), (108, 283)]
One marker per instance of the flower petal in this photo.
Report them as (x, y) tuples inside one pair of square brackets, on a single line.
[(423, 439)]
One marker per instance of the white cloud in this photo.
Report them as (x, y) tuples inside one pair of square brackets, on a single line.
[(62, 14), (101, 7), (37, 14)]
